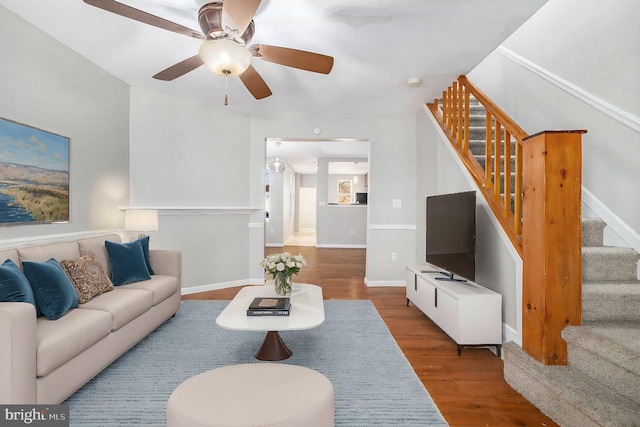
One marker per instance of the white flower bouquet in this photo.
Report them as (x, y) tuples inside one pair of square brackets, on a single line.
[(281, 267)]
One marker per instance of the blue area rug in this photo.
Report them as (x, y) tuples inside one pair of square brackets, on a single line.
[(373, 382)]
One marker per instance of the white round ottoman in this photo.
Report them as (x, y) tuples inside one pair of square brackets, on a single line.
[(255, 394)]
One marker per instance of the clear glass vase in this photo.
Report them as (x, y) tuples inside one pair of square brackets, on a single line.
[(282, 284)]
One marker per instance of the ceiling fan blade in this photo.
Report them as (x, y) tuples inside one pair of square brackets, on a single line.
[(254, 83), (179, 69), (300, 59), (237, 14), (144, 17)]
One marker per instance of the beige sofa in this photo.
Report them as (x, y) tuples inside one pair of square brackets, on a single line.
[(44, 361)]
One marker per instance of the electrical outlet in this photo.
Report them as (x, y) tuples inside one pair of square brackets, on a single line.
[(396, 203), (394, 256)]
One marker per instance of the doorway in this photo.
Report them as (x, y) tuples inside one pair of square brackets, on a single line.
[(301, 178), (306, 233)]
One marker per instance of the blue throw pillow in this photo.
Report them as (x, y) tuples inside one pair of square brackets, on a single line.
[(127, 262), (144, 241), (52, 288), (14, 286)]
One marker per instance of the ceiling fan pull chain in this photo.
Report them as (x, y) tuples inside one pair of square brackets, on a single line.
[(226, 87)]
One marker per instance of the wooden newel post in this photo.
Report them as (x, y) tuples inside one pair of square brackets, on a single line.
[(551, 242)]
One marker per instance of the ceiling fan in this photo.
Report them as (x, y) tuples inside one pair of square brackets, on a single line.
[(227, 27)]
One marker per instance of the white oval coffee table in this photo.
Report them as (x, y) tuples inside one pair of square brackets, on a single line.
[(307, 311)]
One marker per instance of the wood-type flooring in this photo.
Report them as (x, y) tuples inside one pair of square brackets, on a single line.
[(469, 390)]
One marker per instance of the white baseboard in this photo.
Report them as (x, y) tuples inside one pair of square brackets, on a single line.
[(329, 245), (381, 283), (626, 233), (217, 286), (510, 334), (274, 245)]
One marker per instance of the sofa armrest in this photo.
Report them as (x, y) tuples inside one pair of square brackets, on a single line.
[(167, 262), (18, 346)]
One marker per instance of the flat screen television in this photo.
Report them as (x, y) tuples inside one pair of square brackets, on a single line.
[(451, 234), (361, 198)]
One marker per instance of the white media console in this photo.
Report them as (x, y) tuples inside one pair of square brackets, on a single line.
[(469, 313)]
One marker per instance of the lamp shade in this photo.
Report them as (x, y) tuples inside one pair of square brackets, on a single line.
[(225, 57), (141, 220)]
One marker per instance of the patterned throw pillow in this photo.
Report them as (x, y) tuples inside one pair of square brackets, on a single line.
[(87, 276)]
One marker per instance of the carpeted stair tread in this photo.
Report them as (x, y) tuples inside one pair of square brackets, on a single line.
[(566, 395), (608, 353), (592, 232), (608, 263), (613, 301)]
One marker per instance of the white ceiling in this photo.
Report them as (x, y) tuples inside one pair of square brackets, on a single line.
[(302, 155), (377, 45)]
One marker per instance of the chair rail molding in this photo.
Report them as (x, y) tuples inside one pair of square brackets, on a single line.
[(196, 210), (392, 226)]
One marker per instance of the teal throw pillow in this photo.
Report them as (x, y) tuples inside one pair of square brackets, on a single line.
[(52, 289), (14, 286), (127, 262), (144, 241)]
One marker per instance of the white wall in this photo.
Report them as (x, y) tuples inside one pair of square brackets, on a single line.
[(575, 65), (48, 86), (338, 225), (439, 171), (281, 223), (355, 188), (190, 160), (307, 202), (392, 176)]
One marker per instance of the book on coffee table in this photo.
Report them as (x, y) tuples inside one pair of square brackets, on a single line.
[(269, 306)]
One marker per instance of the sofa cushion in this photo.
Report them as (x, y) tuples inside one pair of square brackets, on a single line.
[(87, 276), (161, 287), (52, 289), (96, 246), (61, 340), (124, 305), (14, 286), (41, 253), (127, 262), (11, 254)]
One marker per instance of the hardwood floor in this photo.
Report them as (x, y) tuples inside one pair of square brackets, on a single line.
[(302, 238), (469, 389)]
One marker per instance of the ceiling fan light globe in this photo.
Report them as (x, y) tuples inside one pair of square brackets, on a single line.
[(225, 57)]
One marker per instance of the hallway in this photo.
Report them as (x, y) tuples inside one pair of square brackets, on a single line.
[(302, 238)]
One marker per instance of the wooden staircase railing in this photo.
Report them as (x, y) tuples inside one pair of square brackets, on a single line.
[(502, 135), (540, 212)]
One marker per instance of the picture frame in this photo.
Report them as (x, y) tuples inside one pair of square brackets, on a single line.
[(34, 175), (344, 191)]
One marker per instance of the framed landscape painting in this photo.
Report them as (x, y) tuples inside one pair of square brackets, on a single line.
[(34, 175)]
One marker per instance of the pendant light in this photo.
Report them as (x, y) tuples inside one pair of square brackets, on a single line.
[(277, 166)]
